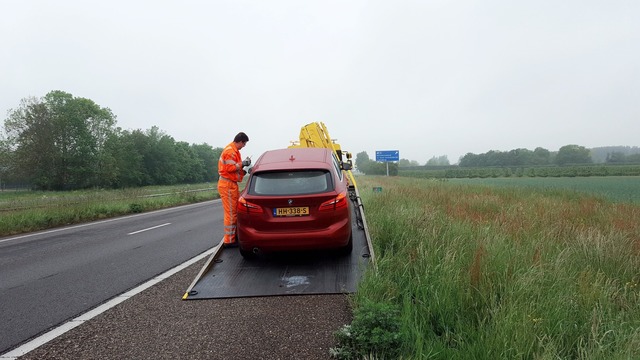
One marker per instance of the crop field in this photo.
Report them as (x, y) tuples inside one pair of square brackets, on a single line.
[(470, 271), (614, 188)]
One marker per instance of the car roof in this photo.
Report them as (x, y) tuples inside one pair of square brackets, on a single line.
[(294, 158)]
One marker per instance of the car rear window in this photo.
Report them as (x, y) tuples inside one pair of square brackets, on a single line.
[(291, 182)]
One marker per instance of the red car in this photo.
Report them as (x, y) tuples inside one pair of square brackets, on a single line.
[(295, 199)]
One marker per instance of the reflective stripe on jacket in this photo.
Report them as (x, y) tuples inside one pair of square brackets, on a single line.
[(227, 164)]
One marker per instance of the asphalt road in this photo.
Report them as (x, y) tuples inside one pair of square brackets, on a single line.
[(49, 277), (158, 324)]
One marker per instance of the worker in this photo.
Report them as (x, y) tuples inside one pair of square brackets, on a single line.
[(231, 171)]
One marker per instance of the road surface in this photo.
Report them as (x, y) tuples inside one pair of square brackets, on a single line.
[(49, 277)]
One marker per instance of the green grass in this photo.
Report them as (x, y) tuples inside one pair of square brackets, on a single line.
[(479, 272), (25, 211), (614, 188), (464, 270)]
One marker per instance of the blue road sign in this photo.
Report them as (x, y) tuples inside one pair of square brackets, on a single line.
[(387, 155)]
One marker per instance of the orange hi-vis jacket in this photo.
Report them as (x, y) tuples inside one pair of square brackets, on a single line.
[(227, 164), (230, 176)]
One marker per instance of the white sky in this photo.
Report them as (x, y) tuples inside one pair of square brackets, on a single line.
[(428, 78)]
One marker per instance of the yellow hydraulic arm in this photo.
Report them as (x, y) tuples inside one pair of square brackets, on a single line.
[(316, 135)]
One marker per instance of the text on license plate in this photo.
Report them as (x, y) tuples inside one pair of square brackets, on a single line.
[(291, 211)]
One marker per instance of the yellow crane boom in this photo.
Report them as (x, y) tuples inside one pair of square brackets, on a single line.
[(316, 134)]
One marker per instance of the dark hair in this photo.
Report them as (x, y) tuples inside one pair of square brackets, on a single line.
[(241, 137)]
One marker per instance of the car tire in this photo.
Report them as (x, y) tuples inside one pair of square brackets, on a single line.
[(248, 255), (346, 250)]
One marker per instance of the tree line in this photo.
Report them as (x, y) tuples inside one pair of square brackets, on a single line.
[(540, 157), (569, 160), (566, 155), (569, 154), (62, 142)]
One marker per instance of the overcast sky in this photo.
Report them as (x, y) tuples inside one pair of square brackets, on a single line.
[(427, 78)]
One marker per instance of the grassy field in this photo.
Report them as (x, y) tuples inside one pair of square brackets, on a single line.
[(614, 188), (466, 269), (25, 211), (498, 272)]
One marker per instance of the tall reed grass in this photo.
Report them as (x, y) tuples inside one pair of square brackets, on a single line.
[(504, 273)]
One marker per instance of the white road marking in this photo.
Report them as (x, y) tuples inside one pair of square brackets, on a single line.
[(102, 221), (58, 331), (147, 229)]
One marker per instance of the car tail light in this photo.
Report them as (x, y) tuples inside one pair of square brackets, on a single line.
[(338, 202), (248, 207)]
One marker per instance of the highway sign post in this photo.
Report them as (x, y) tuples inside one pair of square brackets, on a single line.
[(387, 156)]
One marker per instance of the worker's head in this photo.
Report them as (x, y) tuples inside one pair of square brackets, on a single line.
[(241, 140)]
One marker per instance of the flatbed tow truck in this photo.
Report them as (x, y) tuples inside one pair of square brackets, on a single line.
[(226, 274)]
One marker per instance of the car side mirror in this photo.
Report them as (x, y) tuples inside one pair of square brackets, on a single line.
[(346, 166)]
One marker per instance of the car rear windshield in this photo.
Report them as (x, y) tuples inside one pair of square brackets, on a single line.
[(291, 182)]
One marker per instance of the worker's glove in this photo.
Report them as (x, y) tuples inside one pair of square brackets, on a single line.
[(246, 162)]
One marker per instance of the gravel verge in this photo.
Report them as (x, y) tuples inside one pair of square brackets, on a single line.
[(158, 324)]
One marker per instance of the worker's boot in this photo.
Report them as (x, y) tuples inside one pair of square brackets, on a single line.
[(229, 242)]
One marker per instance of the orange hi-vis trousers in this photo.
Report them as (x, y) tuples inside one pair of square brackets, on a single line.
[(229, 194)]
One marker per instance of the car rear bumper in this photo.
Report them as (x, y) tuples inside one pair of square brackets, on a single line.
[(335, 236)]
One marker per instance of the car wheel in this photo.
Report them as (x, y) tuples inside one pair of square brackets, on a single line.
[(346, 250), (248, 255)]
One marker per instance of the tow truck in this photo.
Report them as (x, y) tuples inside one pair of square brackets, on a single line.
[(226, 274)]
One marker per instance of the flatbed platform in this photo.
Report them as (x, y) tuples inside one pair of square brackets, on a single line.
[(227, 274)]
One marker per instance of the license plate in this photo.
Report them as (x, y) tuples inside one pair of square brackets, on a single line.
[(291, 211)]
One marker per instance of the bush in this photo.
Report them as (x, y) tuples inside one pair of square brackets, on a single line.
[(375, 330), (136, 208)]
